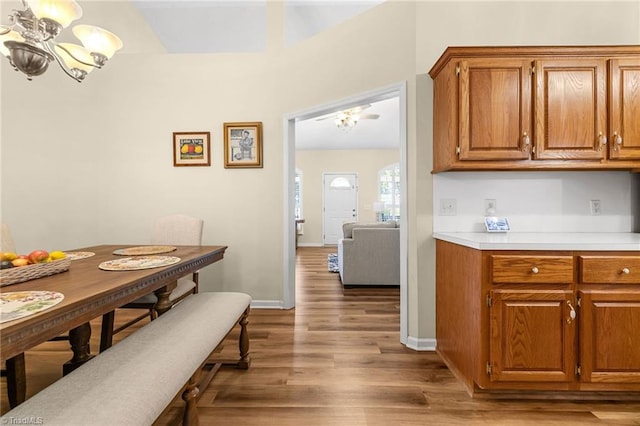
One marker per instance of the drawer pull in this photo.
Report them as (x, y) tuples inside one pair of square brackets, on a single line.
[(626, 271), (572, 312), (535, 270)]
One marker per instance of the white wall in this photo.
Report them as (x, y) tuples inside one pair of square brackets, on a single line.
[(536, 202), (91, 163), (366, 163)]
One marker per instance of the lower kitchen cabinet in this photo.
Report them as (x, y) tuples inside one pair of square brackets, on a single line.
[(531, 321), (609, 336)]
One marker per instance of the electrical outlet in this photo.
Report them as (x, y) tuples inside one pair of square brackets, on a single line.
[(490, 207), (448, 207), (596, 207)]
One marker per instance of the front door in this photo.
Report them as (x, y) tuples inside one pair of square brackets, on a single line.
[(340, 204)]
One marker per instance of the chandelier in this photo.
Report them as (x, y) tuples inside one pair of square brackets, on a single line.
[(29, 41), (346, 120)]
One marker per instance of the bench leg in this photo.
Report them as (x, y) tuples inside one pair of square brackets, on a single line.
[(245, 359), (190, 397)]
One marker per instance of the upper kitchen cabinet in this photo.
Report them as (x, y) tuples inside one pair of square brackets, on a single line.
[(624, 108), (542, 108)]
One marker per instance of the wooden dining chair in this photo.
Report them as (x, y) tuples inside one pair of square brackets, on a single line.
[(175, 230)]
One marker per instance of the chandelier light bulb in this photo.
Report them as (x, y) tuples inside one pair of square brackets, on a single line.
[(98, 40), (64, 12)]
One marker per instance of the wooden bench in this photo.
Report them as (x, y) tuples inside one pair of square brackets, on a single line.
[(135, 381)]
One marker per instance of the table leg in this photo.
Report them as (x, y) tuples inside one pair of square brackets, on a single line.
[(164, 304), (16, 380), (79, 340)]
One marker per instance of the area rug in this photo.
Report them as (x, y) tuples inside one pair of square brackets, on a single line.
[(332, 261)]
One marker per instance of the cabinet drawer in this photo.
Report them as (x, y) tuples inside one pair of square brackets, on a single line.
[(532, 269), (610, 269)]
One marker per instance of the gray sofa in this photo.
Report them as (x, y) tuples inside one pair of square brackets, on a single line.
[(369, 254)]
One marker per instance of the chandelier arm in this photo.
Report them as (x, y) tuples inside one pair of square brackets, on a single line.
[(5, 30), (71, 54), (61, 62)]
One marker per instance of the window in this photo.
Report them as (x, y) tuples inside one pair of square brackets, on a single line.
[(298, 194), (389, 192)]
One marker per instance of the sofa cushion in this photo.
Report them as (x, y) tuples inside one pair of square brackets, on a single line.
[(347, 228)]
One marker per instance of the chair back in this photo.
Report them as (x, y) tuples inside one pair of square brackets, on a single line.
[(178, 229), (6, 241)]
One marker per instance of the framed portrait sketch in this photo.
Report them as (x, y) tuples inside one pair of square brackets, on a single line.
[(191, 149), (242, 145)]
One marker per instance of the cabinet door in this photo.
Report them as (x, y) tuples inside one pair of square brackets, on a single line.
[(624, 109), (532, 336), (610, 336), (495, 109), (570, 109)]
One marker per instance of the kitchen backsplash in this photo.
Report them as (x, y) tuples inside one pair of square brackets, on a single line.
[(537, 201)]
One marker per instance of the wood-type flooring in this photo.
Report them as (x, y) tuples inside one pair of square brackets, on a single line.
[(336, 359)]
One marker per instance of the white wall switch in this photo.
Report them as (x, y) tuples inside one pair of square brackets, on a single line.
[(448, 207)]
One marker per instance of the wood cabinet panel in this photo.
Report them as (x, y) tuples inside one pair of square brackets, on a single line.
[(609, 269), (532, 336), (624, 108), (571, 115), (531, 269), (610, 336), (495, 109)]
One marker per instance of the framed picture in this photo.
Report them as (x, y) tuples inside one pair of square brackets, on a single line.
[(191, 149), (242, 145)]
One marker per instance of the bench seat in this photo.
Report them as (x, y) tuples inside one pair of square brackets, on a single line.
[(133, 382)]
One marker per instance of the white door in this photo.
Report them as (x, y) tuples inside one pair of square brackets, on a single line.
[(340, 204)]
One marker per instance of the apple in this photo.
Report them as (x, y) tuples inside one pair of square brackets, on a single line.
[(38, 256)]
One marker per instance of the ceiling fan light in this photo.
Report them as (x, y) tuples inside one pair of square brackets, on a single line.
[(79, 54), (98, 40), (64, 12)]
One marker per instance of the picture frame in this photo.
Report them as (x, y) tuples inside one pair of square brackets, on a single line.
[(243, 145), (191, 149)]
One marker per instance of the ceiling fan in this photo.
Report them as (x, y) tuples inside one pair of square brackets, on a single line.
[(348, 118)]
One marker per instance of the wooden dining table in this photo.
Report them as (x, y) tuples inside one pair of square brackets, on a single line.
[(90, 292)]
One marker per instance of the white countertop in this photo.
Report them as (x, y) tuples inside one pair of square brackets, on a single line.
[(622, 241)]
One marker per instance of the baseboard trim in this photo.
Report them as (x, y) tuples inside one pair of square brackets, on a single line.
[(421, 344), (267, 304)]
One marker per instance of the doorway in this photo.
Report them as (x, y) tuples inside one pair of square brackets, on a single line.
[(340, 204), (398, 90)]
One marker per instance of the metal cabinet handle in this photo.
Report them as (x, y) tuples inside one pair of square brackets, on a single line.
[(626, 271), (535, 270), (572, 312), (526, 141), (617, 140), (602, 139)]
